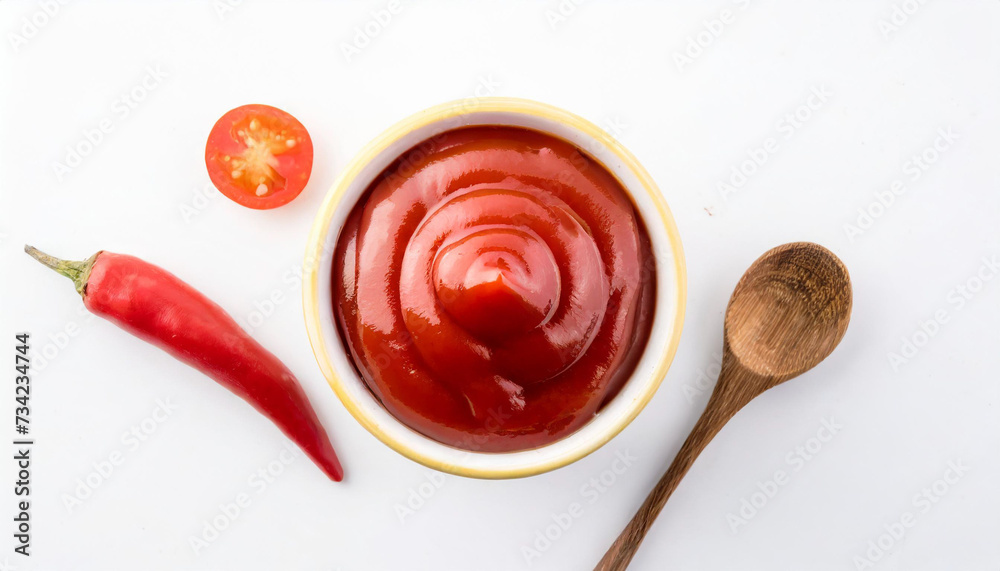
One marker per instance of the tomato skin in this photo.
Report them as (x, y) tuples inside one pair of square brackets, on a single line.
[(283, 166)]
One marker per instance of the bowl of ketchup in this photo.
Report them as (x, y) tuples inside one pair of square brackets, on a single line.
[(494, 287)]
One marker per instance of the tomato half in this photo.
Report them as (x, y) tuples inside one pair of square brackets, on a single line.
[(259, 156)]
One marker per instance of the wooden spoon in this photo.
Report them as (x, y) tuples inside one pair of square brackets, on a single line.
[(787, 313)]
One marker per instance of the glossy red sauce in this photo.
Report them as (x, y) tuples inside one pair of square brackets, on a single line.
[(494, 287)]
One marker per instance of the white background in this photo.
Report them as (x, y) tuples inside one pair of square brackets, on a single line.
[(143, 191)]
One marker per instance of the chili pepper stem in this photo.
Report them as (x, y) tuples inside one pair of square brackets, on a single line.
[(79, 272)]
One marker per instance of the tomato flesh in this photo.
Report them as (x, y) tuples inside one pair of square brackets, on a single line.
[(259, 156)]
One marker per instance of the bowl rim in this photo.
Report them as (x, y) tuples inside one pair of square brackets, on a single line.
[(321, 229)]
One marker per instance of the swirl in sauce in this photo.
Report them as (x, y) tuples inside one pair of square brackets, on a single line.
[(494, 287)]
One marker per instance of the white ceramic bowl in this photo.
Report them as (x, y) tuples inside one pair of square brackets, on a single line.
[(667, 319)]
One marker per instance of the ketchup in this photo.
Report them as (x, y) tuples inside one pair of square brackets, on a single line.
[(494, 287)]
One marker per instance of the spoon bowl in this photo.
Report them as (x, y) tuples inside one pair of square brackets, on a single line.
[(789, 310), (787, 313)]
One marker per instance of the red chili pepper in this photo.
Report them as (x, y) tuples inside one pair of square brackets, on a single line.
[(154, 305)]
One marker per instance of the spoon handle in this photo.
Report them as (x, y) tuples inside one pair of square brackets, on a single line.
[(721, 407)]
